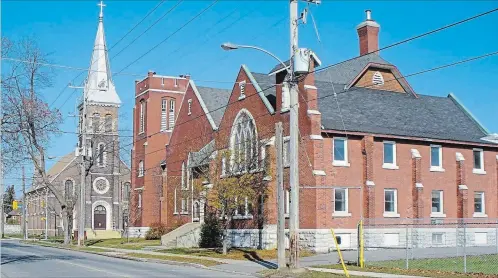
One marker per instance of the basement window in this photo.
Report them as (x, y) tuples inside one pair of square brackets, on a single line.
[(377, 79)]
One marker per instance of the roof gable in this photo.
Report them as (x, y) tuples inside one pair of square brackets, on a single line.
[(392, 80), (213, 102), (260, 92)]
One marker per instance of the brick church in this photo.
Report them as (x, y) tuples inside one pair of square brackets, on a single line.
[(371, 147)]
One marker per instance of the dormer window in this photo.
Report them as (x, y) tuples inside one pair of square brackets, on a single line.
[(377, 79), (242, 87)]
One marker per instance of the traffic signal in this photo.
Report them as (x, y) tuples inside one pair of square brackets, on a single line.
[(14, 204)]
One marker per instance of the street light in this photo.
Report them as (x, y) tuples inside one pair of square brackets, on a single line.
[(230, 46)]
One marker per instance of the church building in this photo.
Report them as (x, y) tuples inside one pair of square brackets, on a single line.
[(108, 177)]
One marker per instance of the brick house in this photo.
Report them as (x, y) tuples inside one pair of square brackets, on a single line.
[(370, 146)]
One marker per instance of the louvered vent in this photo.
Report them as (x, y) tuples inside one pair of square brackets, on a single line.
[(377, 79)]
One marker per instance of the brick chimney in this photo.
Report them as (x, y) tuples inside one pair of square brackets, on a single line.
[(368, 34)]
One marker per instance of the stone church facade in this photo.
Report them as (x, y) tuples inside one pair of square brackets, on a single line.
[(107, 181)]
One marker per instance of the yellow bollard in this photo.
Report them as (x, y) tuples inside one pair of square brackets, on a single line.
[(340, 254)]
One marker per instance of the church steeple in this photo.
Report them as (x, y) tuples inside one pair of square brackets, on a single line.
[(99, 86)]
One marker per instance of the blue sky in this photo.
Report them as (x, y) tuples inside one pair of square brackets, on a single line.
[(66, 29)]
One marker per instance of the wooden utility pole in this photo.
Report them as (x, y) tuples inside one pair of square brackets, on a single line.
[(280, 197), (24, 205)]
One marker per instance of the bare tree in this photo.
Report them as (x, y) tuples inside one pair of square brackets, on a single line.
[(28, 123)]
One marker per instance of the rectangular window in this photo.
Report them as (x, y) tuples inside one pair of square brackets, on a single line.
[(108, 123), (479, 204), (437, 238), (139, 200), (390, 155), (141, 168), (101, 154), (437, 202), (390, 201), (341, 202), (164, 114), (176, 82), (162, 81), (142, 117), (190, 106), (184, 207), (478, 161), (286, 152), (242, 87), (436, 157), (340, 151), (96, 122), (171, 114)]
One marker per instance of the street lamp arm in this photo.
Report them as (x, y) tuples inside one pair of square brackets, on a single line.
[(229, 46)]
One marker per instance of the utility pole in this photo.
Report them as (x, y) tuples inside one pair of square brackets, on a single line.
[(24, 220), (280, 197), (83, 153), (293, 142), (46, 213)]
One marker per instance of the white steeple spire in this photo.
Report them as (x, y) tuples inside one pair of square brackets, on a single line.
[(99, 86)]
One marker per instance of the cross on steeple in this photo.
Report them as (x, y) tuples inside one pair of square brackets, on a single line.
[(102, 5)]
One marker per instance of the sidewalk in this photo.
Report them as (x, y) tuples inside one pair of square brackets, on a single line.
[(361, 273)]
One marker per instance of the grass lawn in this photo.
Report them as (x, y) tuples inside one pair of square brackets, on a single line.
[(307, 274), (426, 268), (233, 254), (173, 258), (123, 243), (486, 264)]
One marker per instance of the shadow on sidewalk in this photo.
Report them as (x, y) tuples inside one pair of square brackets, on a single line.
[(253, 257)]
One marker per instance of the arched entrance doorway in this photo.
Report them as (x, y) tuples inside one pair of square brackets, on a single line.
[(99, 218)]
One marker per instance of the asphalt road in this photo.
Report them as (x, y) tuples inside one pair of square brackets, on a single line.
[(22, 260)]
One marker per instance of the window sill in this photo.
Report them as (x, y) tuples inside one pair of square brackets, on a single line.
[(391, 215), (438, 215), (390, 166), (341, 214), (479, 171), (479, 215), (436, 169), (175, 213), (249, 216), (140, 176), (340, 163), (184, 212)]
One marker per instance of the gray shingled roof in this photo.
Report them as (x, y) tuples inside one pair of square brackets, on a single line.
[(266, 83), (215, 100), (203, 156), (384, 112), (279, 66), (345, 72)]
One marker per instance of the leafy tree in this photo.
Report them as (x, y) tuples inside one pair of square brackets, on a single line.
[(8, 198)]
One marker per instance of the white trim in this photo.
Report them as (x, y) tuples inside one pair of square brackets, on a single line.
[(483, 204), (441, 204), (459, 157), (415, 153), (462, 187), (344, 162), (316, 137), (479, 215), (319, 173), (439, 167), (369, 183), (310, 87), (393, 165), (313, 112), (159, 91), (419, 185), (108, 213), (395, 212), (437, 215), (481, 170), (189, 103), (346, 212), (203, 105)]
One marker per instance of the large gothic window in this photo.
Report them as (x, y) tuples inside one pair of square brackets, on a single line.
[(108, 123), (68, 188), (244, 143)]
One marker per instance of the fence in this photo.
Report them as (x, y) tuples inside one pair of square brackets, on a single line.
[(453, 245)]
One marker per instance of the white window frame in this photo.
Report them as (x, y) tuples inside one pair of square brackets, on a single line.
[(438, 168), (395, 212), (164, 114), (176, 82), (341, 163), (483, 205), (441, 204), (190, 106), (481, 170), (345, 213), (162, 82), (139, 205), (171, 114), (285, 153), (437, 234), (246, 214), (141, 123), (175, 208), (393, 165), (242, 89), (141, 169), (184, 206)]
